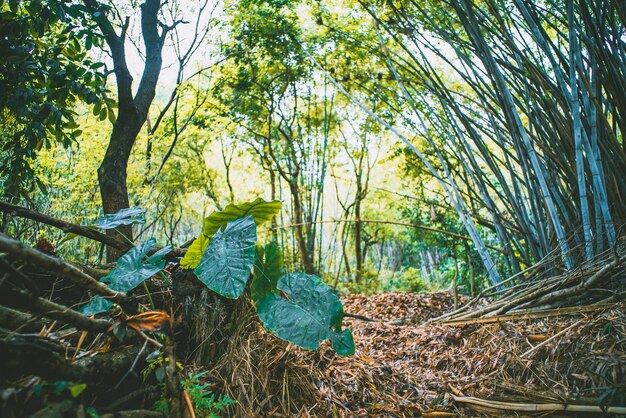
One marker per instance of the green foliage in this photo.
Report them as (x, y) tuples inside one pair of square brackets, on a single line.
[(309, 314), (262, 211), (228, 259), (268, 268), (194, 252), (205, 403), (132, 269), (296, 307), (60, 387), (45, 70), (157, 363), (97, 305), (407, 280)]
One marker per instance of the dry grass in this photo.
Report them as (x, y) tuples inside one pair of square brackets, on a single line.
[(265, 375), (412, 369)]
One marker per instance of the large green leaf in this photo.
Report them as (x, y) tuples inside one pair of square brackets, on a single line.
[(123, 217), (130, 271), (227, 262), (310, 314), (268, 267), (262, 211)]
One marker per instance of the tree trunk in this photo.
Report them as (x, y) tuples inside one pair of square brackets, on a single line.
[(132, 111), (112, 175), (307, 264), (358, 237)]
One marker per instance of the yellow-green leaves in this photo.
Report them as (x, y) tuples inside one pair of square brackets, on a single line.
[(194, 252), (261, 210)]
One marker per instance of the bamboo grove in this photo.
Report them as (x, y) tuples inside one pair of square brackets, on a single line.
[(526, 121)]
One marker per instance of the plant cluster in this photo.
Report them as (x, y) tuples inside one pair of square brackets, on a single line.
[(296, 307)]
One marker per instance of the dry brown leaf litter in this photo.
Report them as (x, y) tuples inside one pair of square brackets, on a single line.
[(414, 369), (408, 370)]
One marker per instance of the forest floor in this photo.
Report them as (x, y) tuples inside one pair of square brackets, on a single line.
[(403, 367)]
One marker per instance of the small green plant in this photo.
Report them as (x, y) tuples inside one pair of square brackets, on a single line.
[(157, 365), (205, 403)]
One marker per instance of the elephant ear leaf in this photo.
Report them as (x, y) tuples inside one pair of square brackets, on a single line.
[(194, 252), (132, 269), (261, 210), (309, 314), (96, 305), (126, 216), (268, 267), (227, 262)]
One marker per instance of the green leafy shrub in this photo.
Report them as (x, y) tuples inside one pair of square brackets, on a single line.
[(296, 307), (205, 403), (407, 280)]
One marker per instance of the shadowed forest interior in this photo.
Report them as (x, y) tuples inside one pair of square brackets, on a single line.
[(312, 208)]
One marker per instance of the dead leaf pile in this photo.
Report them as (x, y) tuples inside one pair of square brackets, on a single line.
[(400, 307), (413, 369)]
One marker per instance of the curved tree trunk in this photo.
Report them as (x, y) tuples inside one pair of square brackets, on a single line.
[(132, 111)]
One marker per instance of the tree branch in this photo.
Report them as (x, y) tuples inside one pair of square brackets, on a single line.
[(52, 310), (19, 251), (66, 227)]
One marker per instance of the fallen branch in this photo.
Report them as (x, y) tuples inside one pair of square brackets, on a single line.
[(66, 227), (22, 355), (597, 277), (52, 310), (539, 407), (15, 321), (19, 251), (521, 316)]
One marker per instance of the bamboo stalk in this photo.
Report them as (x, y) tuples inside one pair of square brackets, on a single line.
[(535, 407), (523, 316)]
